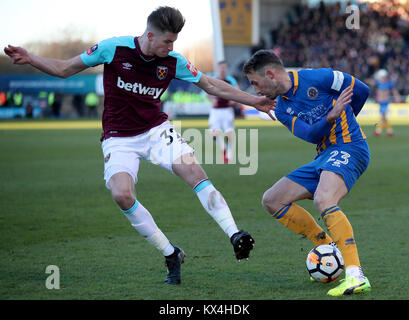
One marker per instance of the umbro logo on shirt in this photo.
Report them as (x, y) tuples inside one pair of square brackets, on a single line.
[(126, 66)]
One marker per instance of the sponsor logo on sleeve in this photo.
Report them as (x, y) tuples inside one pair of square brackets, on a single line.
[(193, 70), (92, 49)]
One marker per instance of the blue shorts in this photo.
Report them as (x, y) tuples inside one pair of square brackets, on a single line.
[(349, 160), (383, 107)]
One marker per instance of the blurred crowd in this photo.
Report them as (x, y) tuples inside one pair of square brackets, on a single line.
[(15, 104), (318, 37)]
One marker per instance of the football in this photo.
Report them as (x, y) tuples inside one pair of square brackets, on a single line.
[(325, 263)]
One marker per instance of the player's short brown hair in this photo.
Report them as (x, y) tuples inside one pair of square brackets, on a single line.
[(260, 59), (166, 19)]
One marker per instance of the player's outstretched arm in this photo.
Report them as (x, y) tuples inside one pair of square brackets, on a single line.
[(219, 88), (54, 67)]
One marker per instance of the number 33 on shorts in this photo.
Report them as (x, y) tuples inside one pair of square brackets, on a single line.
[(166, 146), (170, 135), (339, 157)]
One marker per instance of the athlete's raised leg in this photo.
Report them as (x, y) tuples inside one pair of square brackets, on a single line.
[(189, 170), (279, 202), (283, 193)]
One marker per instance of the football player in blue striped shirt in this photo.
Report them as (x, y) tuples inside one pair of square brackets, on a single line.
[(385, 88), (318, 106)]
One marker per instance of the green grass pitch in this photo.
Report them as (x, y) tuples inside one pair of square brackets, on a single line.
[(55, 210)]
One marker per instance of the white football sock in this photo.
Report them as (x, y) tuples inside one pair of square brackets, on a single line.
[(159, 241), (142, 221), (220, 142), (230, 152), (231, 147), (216, 206)]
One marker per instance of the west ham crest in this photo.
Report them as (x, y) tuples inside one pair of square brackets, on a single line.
[(161, 72)]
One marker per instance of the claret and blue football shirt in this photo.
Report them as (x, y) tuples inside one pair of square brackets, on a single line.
[(134, 83)]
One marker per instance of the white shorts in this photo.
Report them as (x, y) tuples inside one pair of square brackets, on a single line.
[(161, 145), (221, 119)]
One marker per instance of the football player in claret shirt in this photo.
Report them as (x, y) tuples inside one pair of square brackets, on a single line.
[(221, 117), (137, 71), (318, 106)]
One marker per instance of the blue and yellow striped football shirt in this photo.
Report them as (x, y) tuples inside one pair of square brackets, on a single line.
[(303, 109)]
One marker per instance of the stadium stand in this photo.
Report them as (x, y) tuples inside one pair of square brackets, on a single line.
[(314, 37)]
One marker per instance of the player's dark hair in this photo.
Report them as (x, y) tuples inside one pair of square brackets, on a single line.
[(166, 19), (260, 59)]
